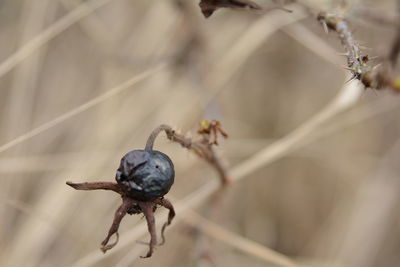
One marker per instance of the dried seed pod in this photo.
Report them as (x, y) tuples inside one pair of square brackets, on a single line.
[(145, 176)]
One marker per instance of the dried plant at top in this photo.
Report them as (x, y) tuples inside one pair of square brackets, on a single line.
[(376, 77), (209, 6)]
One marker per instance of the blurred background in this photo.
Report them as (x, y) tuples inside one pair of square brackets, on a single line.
[(333, 201)]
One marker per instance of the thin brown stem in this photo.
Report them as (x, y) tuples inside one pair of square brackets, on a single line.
[(202, 146), (171, 134), (152, 138)]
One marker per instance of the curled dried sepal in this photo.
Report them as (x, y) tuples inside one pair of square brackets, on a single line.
[(171, 214), (119, 214), (130, 206), (104, 246)]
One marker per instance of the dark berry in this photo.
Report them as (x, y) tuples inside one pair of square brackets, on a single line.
[(145, 175)]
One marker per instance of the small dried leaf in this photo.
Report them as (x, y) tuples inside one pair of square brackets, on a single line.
[(210, 131), (209, 6)]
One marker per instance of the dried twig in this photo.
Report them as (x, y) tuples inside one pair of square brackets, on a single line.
[(48, 34), (75, 111), (376, 16), (202, 145), (246, 245)]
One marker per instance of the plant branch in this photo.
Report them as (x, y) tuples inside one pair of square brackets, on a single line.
[(202, 145), (234, 240), (347, 96), (377, 77), (48, 34), (78, 110), (356, 62)]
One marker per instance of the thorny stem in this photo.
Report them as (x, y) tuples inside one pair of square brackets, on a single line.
[(370, 77), (356, 62)]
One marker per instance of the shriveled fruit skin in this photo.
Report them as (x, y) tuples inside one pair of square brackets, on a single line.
[(145, 175)]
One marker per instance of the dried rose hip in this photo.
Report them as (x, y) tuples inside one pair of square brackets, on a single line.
[(145, 175), (143, 178)]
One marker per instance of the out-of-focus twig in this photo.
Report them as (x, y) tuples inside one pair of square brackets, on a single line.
[(394, 49), (384, 75), (49, 33), (252, 39), (312, 42), (373, 211), (95, 101), (231, 239), (92, 25), (377, 16)]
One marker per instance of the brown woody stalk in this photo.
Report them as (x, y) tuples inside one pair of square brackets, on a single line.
[(202, 145)]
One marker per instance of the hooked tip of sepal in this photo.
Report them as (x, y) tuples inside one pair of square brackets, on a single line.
[(71, 184)]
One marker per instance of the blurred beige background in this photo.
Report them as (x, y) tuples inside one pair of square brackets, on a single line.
[(331, 201)]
